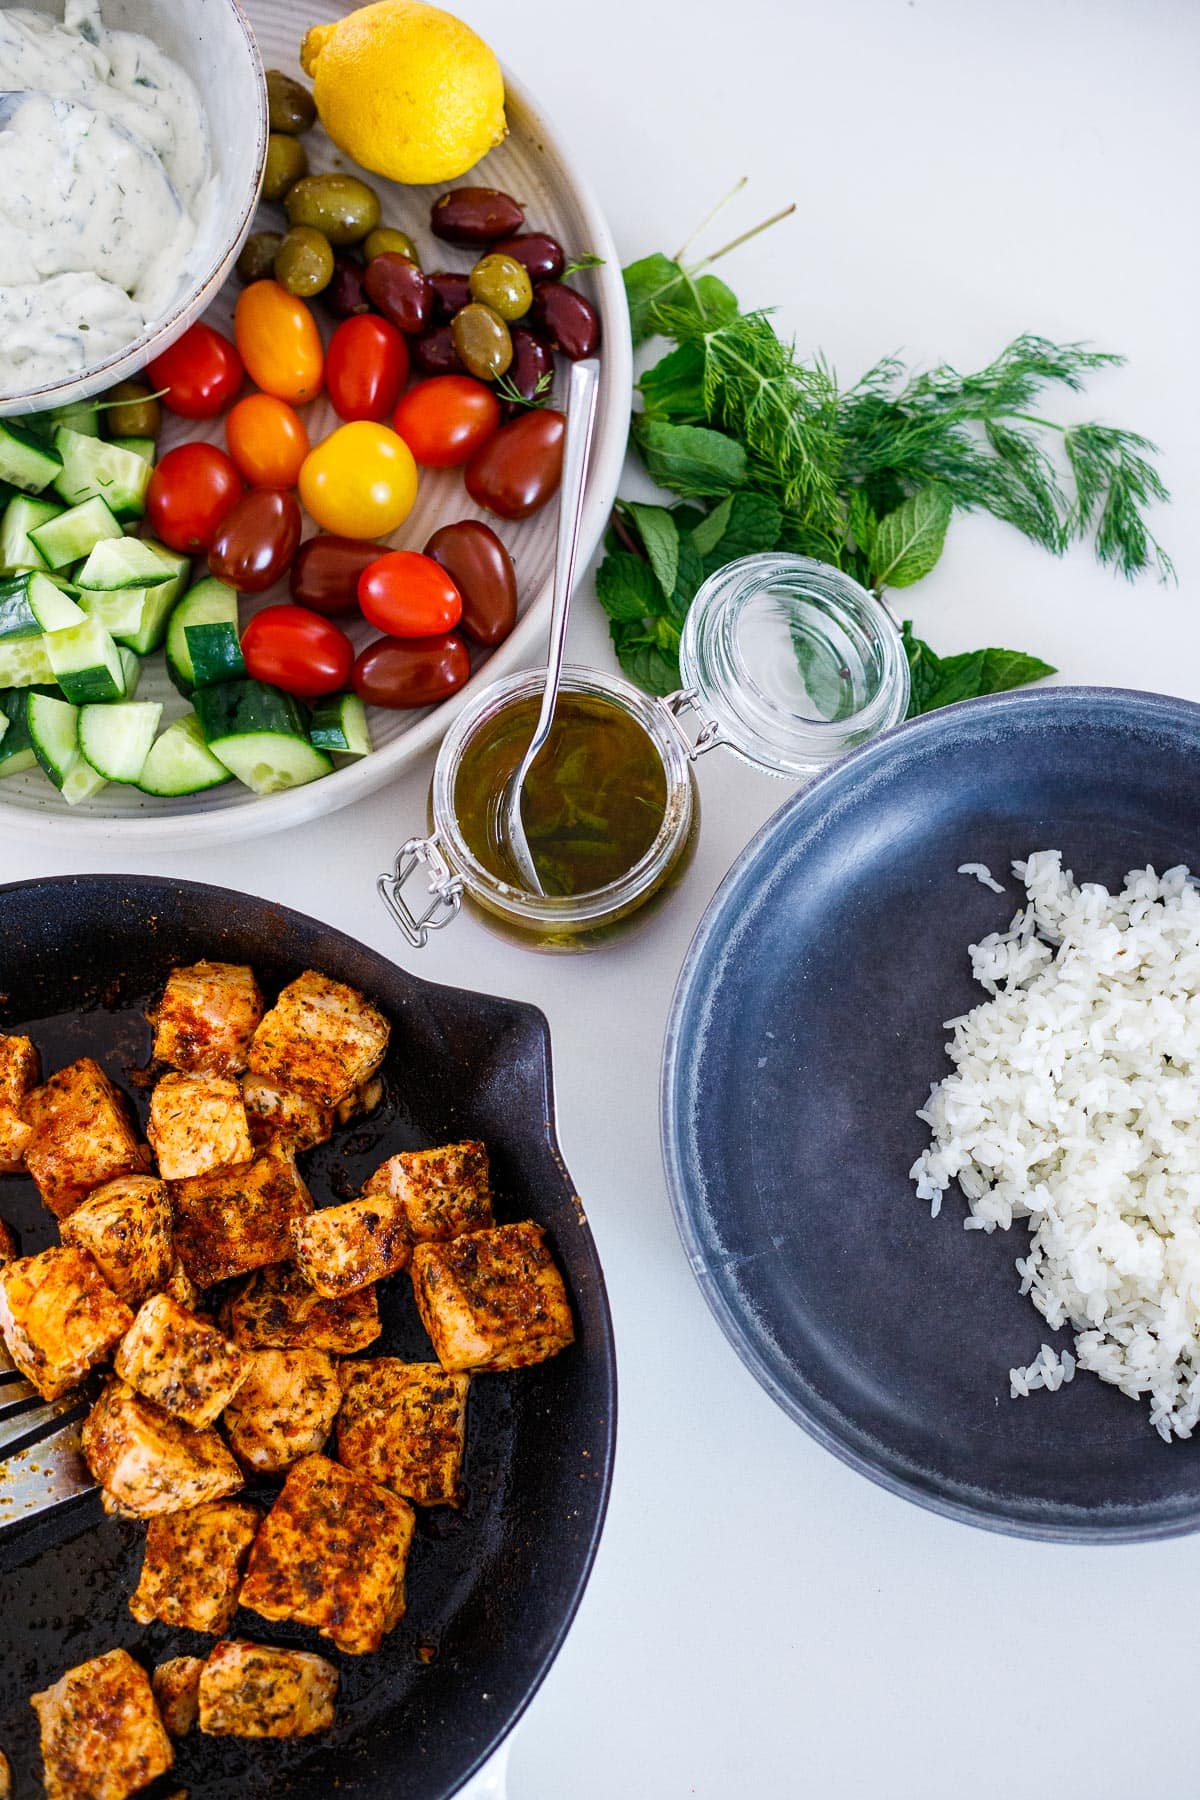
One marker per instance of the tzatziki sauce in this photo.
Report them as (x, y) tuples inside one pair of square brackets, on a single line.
[(105, 178)]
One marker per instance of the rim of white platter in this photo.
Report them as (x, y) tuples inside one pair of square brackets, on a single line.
[(532, 165)]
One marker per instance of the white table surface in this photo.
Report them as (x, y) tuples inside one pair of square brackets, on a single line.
[(761, 1621)]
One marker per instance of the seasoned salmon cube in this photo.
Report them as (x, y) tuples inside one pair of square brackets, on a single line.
[(278, 1310), (251, 1690), (321, 1038), (279, 1112), (181, 1287), (176, 1685), (102, 1737), (197, 1123), (8, 1253), (206, 1018), (182, 1364), (343, 1248), (82, 1135), (20, 1072), (331, 1553), (361, 1101), (284, 1409), (125, 1226), (403, 1425), (493, 1300), (442, 1193), (59, 1317), (235, 1220), (14, 1141), (193, 1566), (149, 1463)]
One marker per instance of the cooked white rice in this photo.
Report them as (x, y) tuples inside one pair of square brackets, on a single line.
[(1075, 1104), (983, 874)]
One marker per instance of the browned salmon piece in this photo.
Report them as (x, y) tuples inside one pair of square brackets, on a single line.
[(8, 1253), (279, 1112), (442, 1193), (193, 1566), (20, 1070), (197, 1123), (206, 1018), (403, 1424), (493, 1299), (235, 1220), (181, 1363), (59, 1317), (331, 1553), (125, 1226), (278, 1310), (102, 1737), (149, 1463), (176, 1685), (343, 1248), (82, 1135), (251, 1690), (284, 1409), (321, 1038)]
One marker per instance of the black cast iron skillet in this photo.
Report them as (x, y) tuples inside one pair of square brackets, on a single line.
[(492, 1589)]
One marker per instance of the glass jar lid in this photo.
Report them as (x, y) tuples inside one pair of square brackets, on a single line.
[(792, 663)]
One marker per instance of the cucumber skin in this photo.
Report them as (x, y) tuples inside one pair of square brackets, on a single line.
[(213, 603), (245, 708)]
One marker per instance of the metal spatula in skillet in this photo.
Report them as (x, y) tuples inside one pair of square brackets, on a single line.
[(41, 1464)]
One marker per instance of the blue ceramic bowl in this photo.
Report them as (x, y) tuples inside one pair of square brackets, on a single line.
[(806, 1029)]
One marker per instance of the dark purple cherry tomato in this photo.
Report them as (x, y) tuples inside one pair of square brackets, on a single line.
[(531, 370), (256, 541), (433, 353), (539, 255), (519, 469), (475, 215), (403, 672), (565, 319), (402, 292), (451, 292), (326, 571), (481, 569), (345, 296)]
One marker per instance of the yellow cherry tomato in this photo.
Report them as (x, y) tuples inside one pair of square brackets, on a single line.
[(360, 482), (279, 342)]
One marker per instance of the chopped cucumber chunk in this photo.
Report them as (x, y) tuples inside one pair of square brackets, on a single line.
[(144, 447), (92, 469), (86, 663), (123, 562), (339, 722), (180, 762), (82, 781), (26, 460), (116, 740), (210, 602), (260, 734), (24, 662), (16, 749), (31, 604), (74, 533), (53, 727), (17, 549)]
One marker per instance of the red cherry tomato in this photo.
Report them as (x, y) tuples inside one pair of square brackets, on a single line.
[(409, 596), (201, 372), (326, 571), (444, 421), (366, 365), (256, 541), (298, 651), (520, 468), (267, 440), (190, 493), (403, 672)]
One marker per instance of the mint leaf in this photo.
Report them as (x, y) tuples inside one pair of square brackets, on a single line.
[(1004, 669), (674, 387), (924, 671), (645, 660), (656, 287), (690, 572), (712, 528), (689, 460), (754, 525), (660, 536), (626, 587), (861, 521), (959, 678), (907, 542), (941, 680), (646, 283)]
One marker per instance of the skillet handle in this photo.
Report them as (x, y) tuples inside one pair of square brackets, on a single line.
[(491, 1783)]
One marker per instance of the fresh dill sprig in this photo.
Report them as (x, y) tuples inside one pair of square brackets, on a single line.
[(507, 389)]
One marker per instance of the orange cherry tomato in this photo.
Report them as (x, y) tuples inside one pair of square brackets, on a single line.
[(409, 596), (267, 440), (279, 342), (445, 420)]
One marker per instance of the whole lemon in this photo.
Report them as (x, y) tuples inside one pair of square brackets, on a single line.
[(407, 90)]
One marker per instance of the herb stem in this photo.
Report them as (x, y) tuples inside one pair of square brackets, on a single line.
[(708, 218), (744, 237)]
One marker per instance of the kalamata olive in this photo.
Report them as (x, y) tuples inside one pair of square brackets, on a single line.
[(483, 342), (326, 570), (341, 206), (287, 163), (290, 107), (304, 262), (131, 411), (481, 569), (401, 292), (433, 353), (531, 371), (256, 541), (542, 257), (257, 261), (404, 672), (565, 319), (451, 292), (519, 469), (475, 215), (385, 240), (346, 294), (503, 284)]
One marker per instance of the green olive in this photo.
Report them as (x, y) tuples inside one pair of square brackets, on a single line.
[(304, 262), (290, 107), (384, 239), (341, 206), (482, 341), (257, 261), (135, 414), (287, 163), (502, 283)]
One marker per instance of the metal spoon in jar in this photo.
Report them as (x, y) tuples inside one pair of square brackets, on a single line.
[(581, 417)]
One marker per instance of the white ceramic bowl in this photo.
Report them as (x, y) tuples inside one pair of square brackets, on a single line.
[(212, 41), (533, 165)]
